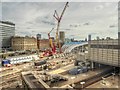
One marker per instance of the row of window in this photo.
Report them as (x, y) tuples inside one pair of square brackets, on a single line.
[(106, 46), (22, 58)]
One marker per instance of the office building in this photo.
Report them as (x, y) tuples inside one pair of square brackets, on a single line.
[(24, 43), (104, 51), (89, 37), (62, 36), (7, 30), (38, 40)]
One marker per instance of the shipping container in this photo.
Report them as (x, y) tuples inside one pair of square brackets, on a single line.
[(78, 70), (5, 62), (40, 63)]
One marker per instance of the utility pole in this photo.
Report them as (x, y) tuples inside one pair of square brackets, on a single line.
[(58, 18)]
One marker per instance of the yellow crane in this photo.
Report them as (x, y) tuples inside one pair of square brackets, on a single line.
[(50, 40)]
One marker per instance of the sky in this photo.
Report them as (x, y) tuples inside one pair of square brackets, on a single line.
[(79, 20)]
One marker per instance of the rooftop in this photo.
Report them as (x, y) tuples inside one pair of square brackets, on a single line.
[(7, 22)]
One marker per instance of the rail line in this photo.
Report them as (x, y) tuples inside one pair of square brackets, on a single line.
[(94, 79)]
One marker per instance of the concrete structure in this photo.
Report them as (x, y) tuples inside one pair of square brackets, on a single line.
[(24, 43), (75, 47), (38, 40), (104, 51), (6, 32), (89, 37), (119, 31), (62, 36)]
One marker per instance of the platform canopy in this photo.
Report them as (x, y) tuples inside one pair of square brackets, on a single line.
[(68, 47)]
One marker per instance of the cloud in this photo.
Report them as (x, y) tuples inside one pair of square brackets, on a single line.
[(66, 29), (112, 26), (86, 24), (47, 22), (38, 17)]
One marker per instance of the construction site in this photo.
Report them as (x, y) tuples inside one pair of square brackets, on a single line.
[(89, 64)]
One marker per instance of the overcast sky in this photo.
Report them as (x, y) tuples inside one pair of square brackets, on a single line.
[(79, 20)]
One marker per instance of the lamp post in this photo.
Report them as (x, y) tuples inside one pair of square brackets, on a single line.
[(103, 80), (113, 78), (82, 83), (73, 85)]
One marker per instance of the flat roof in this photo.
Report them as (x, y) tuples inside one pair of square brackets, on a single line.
[(7, 22)]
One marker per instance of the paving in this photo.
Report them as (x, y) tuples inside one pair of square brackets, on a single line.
[(62, 69), (75, 78), (109, 82)]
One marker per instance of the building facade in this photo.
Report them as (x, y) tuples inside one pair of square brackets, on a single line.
[(62, 36), (44, 44), (7, 30), (24, 43), (104, 51), (38, 40)]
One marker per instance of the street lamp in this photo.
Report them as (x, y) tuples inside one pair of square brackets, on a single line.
[(82, 83), (103, 80), (113, 78), (73, 85)]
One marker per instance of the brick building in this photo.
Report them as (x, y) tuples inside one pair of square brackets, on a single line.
[(44, 44), (24, 43)]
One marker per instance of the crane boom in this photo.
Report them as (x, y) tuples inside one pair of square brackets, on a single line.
[(50, 40), (58, 25), (63, 11)]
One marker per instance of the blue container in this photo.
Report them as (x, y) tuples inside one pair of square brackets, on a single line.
[(78, 70), (85, 69), (5, 62), (73, 71)]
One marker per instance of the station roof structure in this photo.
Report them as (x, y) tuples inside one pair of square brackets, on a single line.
[(68, 47)]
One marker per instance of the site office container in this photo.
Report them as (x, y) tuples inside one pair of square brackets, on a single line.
[(78, 70), (40, 63), (5, 62)]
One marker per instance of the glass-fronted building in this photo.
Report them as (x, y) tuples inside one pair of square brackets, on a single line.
[(104, 51), (7, 30)]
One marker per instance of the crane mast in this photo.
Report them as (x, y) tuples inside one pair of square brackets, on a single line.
[(58, 24)]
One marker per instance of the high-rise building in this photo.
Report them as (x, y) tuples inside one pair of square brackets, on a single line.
[(62, 36), (119, 32), (7, 30), (38, 40), (38, 36), (89, 37)]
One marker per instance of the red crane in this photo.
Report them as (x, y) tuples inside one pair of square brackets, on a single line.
[(58, 18)]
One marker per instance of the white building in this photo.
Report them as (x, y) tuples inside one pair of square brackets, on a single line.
[(7, 30)]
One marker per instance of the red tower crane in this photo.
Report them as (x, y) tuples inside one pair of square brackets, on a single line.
[(58, 18)]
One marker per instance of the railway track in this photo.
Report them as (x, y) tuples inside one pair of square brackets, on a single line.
[(94, 79)]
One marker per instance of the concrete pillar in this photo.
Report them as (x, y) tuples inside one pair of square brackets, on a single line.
[(92, 65)]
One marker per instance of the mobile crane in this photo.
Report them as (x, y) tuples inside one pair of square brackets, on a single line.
[(57, 43), (50, 52), (52, 45), (58, 18)]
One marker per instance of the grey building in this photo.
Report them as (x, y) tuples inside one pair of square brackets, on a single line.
[(7, 30), (62, 36), (104, 51)]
